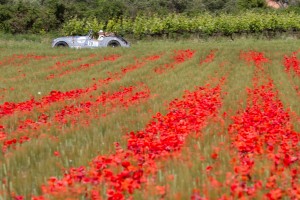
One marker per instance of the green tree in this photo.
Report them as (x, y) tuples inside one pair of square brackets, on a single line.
[(2, 2), (108, 9), (250, 4), (213, 6), (23, 18)]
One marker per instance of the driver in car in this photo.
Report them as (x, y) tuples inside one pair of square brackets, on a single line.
[(101, 35)]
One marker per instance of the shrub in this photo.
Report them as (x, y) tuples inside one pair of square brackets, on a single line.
[(224, 24)]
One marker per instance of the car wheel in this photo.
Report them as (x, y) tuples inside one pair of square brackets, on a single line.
[(113, 43), (61, 44)]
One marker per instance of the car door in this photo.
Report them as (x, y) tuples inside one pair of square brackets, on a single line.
[(80, 41), (92, 43)]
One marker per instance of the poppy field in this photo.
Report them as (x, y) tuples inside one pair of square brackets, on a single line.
[(160, 120)]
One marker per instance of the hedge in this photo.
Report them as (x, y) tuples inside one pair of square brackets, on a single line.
[(208, 24)]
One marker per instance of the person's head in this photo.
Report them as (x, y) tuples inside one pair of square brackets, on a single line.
[(101, 32)]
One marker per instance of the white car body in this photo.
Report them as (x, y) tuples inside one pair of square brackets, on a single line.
[(89, 42)]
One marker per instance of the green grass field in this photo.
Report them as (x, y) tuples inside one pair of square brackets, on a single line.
[(54, 147)]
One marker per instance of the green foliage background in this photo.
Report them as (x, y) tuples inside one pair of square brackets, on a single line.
[(203, 24), (132, 16)]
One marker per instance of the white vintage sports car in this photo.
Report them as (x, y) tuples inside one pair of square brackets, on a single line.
[(88, 41)]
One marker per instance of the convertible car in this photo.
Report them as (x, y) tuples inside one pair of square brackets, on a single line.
[(88, 41)]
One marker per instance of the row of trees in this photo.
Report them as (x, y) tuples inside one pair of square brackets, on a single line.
[(36, 16)]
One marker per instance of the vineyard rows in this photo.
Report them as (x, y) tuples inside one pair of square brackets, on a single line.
[(203, 24)]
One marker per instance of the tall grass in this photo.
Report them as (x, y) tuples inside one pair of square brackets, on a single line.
[(28, 167)]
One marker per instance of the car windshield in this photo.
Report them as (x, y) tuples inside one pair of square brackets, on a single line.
[(90, 34)]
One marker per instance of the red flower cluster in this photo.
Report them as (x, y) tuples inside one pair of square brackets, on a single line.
[(9, 108), (260, 133), (264, 122), (68, 114), (292, 63), (179, 57), (21, 59), (264, 128), (152, 58), (61, 65), (257, 58), (75, 115), (167, 134), (124, 98), (127, 170), (2, 133), (209, 58), (84, 66), (292, 67)]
